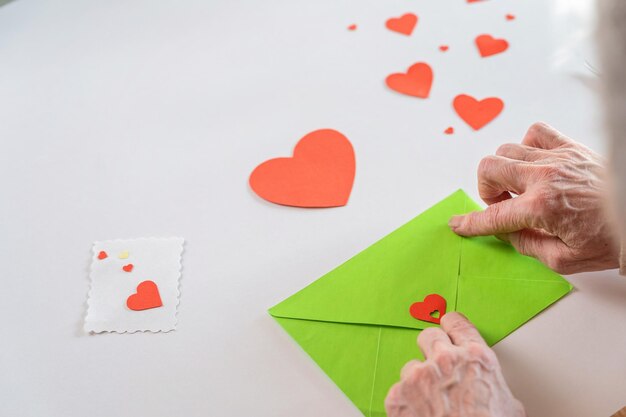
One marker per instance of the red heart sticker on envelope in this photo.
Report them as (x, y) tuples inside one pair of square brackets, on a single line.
[(416, 82), (320, 173), (427, 310), (403, 24), (147, 296), (477, 113)]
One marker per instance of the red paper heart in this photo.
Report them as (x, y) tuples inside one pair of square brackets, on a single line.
[(474, 1), (320, 173), (416, 82), (477, 113), (488, 45), (128, 268), (352, 27), (444, 48), (510, 17), (449, 131), (147, 296), (424, 310), (403, 24), (102, 255)]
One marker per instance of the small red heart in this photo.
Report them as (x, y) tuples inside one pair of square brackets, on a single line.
[(510, 17), (352, 27), (147, 296), (320, 173), (403, 24), (128, 268), (444, 48), (449, 131), (474, 1), (424, 310), (488, 45), (416, 82), (102, 255), (477, 113)]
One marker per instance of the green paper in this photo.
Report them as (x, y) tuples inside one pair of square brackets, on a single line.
[(355, 324)]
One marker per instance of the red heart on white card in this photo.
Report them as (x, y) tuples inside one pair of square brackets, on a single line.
[(146, 297)]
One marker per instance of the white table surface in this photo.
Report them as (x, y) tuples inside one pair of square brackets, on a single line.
[(131, 118)]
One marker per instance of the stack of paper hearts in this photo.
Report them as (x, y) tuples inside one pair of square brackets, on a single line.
[(355, 321)]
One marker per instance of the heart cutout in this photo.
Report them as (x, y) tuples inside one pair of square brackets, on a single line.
[(128, 268), (403, 24), (488, 45), (102, 255), (477, 113), (320, 173), (432, 309), (444, 48), (510, 17), (352, 27), (146, 297), (417, 81), (449, 131)]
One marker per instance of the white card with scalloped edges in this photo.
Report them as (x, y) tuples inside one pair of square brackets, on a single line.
[(134, 285)]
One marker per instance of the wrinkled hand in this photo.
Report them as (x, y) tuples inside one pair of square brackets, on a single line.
[(559, 215), (461, 377)]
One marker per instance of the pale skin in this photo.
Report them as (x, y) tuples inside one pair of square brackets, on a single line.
[(547, 197)]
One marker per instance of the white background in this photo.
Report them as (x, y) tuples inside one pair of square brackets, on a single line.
[(129, 118)]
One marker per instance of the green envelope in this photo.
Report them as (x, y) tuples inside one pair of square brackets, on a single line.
[(354, 321)]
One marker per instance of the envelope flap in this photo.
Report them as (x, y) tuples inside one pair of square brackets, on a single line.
[(489, 257), (378, 285)]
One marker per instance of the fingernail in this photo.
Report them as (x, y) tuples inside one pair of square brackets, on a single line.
[(455, 222)]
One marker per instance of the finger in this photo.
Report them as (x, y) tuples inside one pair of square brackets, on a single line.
[(504, 217), (541, 135), (460, 330), (410, 367), (547, 248), (432, 340), (497, 176), (521, 152)]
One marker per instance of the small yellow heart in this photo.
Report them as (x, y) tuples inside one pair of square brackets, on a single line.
[(123, 255)]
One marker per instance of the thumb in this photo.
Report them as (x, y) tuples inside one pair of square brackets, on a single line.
[(504, 217)]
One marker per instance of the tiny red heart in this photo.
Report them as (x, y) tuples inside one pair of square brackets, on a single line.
[(352, 27), (510, 17), (403, 24), (488, 45), (449, 131), (102, 255), (128, 268), (427, 310), (147, 296), (444, 48)]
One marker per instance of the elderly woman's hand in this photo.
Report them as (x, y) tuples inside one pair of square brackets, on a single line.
[(559, 215), (460, 377)]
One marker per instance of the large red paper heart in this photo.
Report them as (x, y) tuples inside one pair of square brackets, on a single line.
[(320, 173), (424, 310), (488, 45), (403, 24), (147, 296), (416, 82), (477, 113)]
